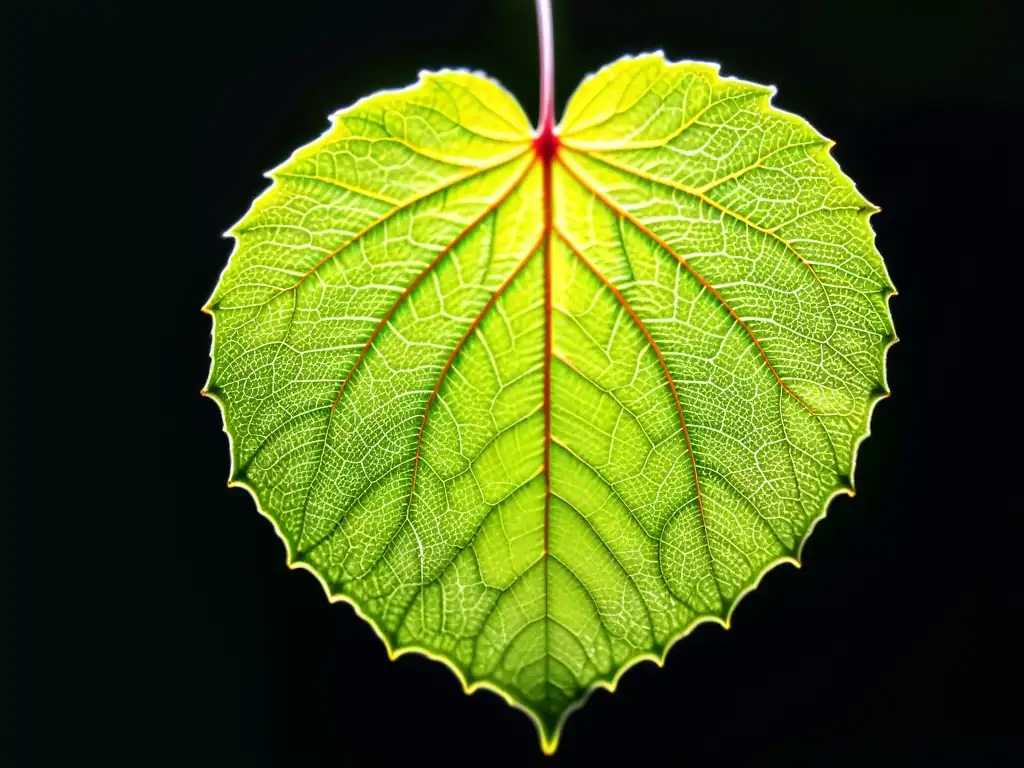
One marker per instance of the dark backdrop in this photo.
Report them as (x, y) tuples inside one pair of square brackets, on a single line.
[(155, 621)]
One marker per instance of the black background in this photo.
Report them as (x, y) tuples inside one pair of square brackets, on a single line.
[(155, 621)]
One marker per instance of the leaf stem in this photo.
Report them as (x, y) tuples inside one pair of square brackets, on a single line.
[(546, 126)]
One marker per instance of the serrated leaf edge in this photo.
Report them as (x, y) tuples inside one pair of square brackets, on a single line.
[(549, 743)]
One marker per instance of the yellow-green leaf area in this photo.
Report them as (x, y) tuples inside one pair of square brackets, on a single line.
[(539, 417)]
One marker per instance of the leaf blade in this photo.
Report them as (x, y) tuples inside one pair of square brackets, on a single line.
[(583, 416)]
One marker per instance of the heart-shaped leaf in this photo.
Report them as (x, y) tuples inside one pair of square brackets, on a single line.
[(538, 405)]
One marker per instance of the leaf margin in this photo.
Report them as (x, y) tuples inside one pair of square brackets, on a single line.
[(550, 741)]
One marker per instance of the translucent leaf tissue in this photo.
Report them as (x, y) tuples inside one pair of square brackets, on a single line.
[(540, 401)]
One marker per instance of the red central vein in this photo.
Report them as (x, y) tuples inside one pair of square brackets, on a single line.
[(548, 348), (668, 378), (547, 148), (621, 212)]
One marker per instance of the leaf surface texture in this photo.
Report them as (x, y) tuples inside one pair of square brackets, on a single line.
[(538, 419)]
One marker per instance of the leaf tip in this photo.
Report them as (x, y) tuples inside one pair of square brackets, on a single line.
[(549, 746), (549, 729)]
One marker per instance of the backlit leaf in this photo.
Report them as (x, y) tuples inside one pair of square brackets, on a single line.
[(540, 415)]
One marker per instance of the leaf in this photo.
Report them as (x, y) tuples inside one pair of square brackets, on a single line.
[(538, 410)]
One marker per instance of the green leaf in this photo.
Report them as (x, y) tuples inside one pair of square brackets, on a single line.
[(540, 416)]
